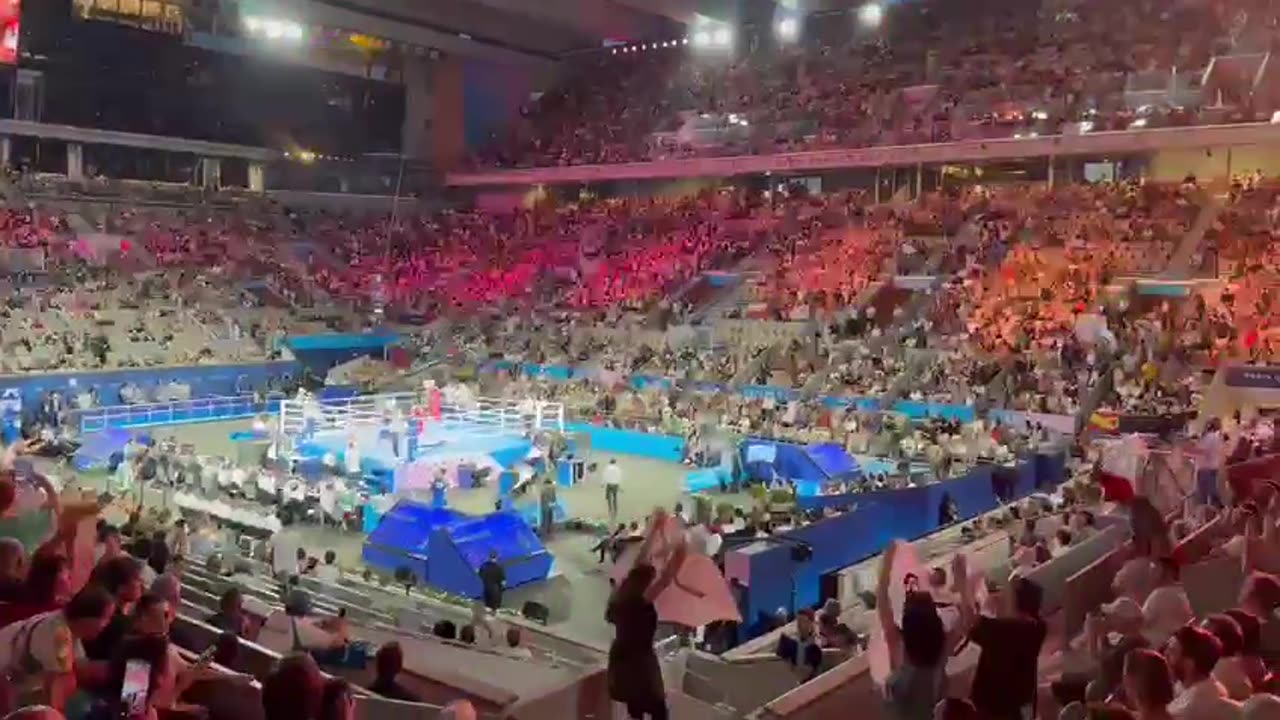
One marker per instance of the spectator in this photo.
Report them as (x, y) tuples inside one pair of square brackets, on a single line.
[(1193, 653), (1260, 597), (918, 649), (109, 543), (1230, 670), (1263, 706), (800, 648), (1255, 669), (1121, 620), (308, 634), (337, 701), (387, 665), (467, 635), (1148, 684), (122, 577), (227, 650), (955, 709), (1004, 684), (230, 616), (154, 651), (157, 555), (35, 712), (514, 648), (43, 667), (293, 691), (13, 568), (31, 526), (445, 630), (1167, 608), (329, 572), (635, 678), (47, 588)]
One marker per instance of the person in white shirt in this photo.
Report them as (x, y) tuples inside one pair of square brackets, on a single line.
[(238, 477), (1230, 670), (351, 458), (328, 498), (329, 572), (1192, 653), (514, 648), (39, 655), (306, 633), (1167, 608), (1262, 706), (612, 483), (284, 552)]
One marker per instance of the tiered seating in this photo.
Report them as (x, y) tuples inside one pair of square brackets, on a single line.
[(938, 74)]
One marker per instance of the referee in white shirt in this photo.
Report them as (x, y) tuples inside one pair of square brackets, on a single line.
[(612, 481)]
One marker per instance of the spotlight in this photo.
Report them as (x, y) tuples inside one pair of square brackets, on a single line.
[(721, 37), (686, 41), (702, 38), (788, 29), (871, 15)]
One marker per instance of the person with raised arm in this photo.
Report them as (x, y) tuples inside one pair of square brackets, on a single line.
[(635, 677), (919, 647)]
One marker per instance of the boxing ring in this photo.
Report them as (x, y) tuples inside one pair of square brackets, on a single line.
[(408, 439)]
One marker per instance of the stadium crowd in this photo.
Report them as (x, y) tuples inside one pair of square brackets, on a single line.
[(928, 72)]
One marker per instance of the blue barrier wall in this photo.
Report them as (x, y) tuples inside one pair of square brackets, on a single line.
[(918, 410), (205, 380), (342, 341), (878, 519), (631, 442)]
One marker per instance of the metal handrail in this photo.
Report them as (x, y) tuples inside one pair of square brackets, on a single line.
[(221, 407)]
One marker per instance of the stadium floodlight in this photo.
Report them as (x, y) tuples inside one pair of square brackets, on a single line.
[(871, 15), (686, 41), (702, 39), (722, 37), (788, 29)]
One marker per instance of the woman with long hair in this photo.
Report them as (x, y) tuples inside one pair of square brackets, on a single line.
[(635, 677), (919, 646)]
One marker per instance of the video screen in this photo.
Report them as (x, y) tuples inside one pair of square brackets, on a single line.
[(10, 12)]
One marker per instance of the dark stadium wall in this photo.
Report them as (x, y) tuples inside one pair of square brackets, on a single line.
[(493, 95)]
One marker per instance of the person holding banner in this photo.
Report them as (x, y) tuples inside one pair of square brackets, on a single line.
[(635, 677), (919, 646)]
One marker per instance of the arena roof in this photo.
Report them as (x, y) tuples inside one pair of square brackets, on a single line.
[(505, 29)]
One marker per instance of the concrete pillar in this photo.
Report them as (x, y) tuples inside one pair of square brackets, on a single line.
[(6, 151), (419, 107), (448, 138), (75, 161), (1051, 170), (257, 177), (210, 173), (877, 186), (919, 179)]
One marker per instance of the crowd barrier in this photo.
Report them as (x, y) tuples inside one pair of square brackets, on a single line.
[(1063, 424), (203, 380), (198, 410), (772, 579), (917, 410), (669, 448)]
